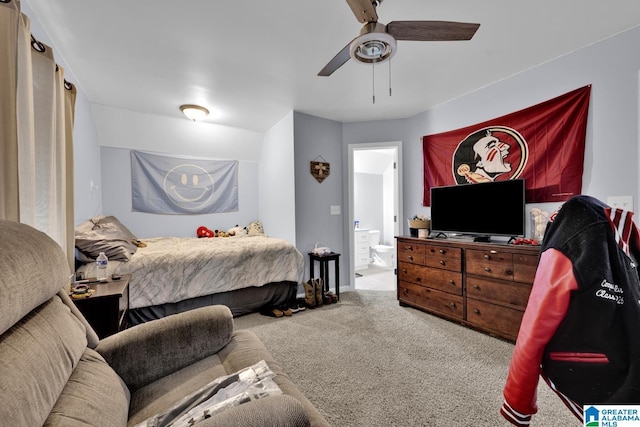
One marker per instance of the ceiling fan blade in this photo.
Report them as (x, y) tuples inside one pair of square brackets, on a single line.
[(431, 30), (337, 62), (364, 10)]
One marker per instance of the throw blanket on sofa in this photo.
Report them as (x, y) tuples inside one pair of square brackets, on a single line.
[(172, 269)]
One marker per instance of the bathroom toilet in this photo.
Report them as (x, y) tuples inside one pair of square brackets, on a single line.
[(382, 255)]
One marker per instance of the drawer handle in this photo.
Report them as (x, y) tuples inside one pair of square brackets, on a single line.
[(453, 304), (404, 271), (493, 251), (442, 262), (509, 272), (406, 291), (410, 257), (432, 250), (487, 269), (476, 311), (409, 248), (476, 287), (487, 256), (452, 282), (442, 251), (418, 279)]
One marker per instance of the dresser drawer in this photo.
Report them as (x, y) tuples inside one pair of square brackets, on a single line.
[(505, 322), (444, 280), (524, 267), (362, 248), (443, 257), (362, 237), (410, 252), (489, 263), (361, 259), (433, 300), (514, 295)]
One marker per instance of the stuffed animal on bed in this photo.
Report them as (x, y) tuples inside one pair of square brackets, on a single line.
[(237, 231)]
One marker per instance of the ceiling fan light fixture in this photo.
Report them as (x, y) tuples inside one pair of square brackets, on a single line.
[(373, 47), (194, 112)]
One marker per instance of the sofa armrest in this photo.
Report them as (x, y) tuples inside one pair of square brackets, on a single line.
[(152, 350)]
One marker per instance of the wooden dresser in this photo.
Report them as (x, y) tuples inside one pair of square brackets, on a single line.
[(482, 285)]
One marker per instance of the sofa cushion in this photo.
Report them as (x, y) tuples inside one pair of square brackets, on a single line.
[(37, 357), (245, 349), (165, 392), (271, 411), (33, 270), (95, 395)]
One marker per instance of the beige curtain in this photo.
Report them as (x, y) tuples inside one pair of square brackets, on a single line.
[(37, 107)]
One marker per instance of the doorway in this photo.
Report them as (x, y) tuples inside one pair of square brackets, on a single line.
[(375, 211)]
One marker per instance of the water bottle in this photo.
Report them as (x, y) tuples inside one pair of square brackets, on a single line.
[(101, 262)]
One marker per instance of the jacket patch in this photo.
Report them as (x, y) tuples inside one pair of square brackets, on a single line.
[(611, 292)]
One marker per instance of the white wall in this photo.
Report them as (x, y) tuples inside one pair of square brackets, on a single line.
[(167, 135), (120, 128), (276, 182), (368, 201)]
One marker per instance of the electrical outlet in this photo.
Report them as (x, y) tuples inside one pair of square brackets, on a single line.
[(335, 210), (621, 202)]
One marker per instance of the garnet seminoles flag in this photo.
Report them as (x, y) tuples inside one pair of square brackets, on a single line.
[(180, 185), (543, 144)]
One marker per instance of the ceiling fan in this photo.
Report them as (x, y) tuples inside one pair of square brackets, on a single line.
[(377, 42)]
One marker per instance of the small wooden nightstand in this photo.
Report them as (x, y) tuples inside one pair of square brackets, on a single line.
[(106, 309), (324, 269)]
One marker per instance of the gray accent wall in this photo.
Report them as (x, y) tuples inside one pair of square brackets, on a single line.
[(319, 138)]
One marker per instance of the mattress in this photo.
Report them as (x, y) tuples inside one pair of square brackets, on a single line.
[(174, 269)]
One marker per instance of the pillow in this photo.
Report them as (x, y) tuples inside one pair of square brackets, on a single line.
[(107, 235), (255, 229), (113, 220)]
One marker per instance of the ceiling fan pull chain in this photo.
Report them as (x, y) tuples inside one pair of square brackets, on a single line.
[(373, 80), (389, 76)]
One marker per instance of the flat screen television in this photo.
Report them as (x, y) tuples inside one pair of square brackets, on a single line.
[(486, 209)]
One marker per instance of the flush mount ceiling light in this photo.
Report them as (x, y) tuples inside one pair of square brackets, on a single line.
[(194, 112)]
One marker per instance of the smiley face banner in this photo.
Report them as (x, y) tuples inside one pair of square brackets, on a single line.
[(542, 144), (182, 185)]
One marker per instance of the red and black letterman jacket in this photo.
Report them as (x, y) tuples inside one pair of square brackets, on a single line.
[(581, 327)]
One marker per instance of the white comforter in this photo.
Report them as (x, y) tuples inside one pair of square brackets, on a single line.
[(172, 269)]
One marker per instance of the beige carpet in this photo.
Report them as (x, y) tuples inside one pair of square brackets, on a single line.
[(366, 361)]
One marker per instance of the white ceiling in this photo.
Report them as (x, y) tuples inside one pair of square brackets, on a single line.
[(251, 62)]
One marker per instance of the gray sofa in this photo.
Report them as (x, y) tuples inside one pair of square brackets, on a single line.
[(54, 370)]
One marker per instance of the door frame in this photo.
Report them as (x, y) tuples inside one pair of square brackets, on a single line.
[(398, 198)]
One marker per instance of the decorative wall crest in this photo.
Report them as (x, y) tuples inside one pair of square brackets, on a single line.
[(320, 169)]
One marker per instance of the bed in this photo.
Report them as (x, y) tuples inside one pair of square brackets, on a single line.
[(173, 274)]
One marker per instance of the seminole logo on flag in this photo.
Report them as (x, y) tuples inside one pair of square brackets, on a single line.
[(490, 153), (542, 144)]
